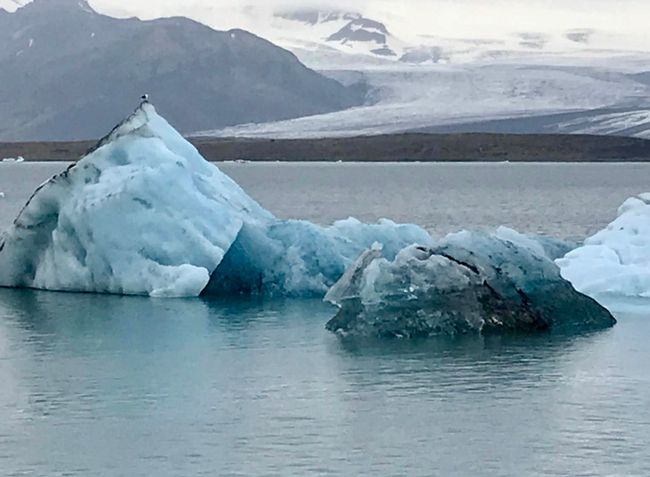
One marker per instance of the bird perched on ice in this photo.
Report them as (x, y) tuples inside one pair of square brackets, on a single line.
[(145, 98)]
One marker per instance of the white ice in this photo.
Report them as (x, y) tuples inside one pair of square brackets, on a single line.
[(616, 261), (145, 214)]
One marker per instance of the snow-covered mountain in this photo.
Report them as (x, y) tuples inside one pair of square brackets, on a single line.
[(423, 31), (333, 38), (387, 32), (374, 36), (566, 79), (433, 65), (368, 43)]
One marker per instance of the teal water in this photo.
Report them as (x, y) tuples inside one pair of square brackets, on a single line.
[(118, 386), (96, 386)]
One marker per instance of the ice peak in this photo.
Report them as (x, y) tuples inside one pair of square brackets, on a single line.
[(136, 123), (145, 122)]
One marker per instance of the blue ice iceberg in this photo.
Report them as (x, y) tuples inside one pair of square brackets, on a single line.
[(144, 214), (470, 282)]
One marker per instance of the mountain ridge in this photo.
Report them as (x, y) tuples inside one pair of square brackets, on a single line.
[(69, 71)]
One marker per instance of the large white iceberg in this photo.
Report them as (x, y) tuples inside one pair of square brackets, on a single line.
[(616, 261), (144, 214), (470, 282)]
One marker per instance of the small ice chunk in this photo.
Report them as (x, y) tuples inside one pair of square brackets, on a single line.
[(13, 159)]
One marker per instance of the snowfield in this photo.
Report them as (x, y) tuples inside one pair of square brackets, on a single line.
[(411, 98), (624, 123)]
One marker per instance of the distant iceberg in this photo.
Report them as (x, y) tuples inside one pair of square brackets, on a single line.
[(470, 282), (144, 214), (616, 261)]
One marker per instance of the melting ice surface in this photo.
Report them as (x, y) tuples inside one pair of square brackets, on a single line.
[(616, 261), (144, 214)]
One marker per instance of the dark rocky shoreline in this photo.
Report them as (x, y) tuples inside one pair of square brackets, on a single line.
[(410, 147)]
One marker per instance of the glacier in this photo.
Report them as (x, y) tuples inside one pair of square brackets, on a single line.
[(615, 262), (469, 282), (143, 213)]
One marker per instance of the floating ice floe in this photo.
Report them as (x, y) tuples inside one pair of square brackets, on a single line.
[(144, 214), (470, 282), (616, 261), (13, 159)]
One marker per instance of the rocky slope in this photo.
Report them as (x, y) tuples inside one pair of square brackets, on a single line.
[(68, 72)]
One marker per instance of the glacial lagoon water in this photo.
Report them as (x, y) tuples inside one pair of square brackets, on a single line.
[(99, 385)]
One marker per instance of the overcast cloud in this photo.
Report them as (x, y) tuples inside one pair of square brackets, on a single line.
[(440, 17), (450, 18)]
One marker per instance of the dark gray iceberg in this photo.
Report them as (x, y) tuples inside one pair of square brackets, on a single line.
[(471, 282)]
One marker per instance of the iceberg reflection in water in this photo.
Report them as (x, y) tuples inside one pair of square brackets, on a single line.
[(255, 387)]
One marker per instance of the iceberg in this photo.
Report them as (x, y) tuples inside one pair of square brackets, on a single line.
[(298, 258), (615, 262), (469, 282), (143, 213)]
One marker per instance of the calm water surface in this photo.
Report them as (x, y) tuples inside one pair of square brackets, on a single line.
[(97, 386), (563, 200)]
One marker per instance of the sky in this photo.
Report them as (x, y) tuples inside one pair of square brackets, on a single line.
[(446, 18), (440, 17)]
